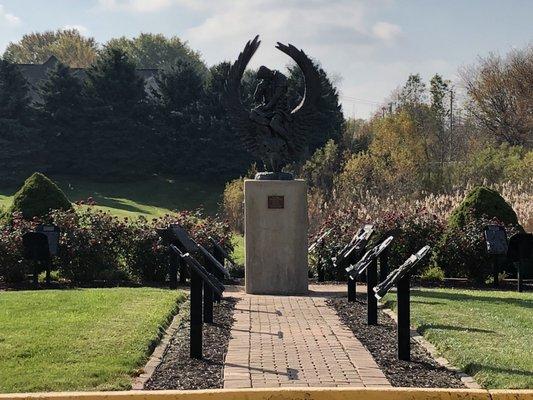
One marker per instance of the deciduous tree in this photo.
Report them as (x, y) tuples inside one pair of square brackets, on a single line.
[(69, 46), (501, 93)]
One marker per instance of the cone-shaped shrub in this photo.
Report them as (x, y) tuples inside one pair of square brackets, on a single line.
[(480, 202), (37, 197)]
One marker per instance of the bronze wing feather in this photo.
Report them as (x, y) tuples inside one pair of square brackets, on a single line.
[(239, 116), (303, 117)]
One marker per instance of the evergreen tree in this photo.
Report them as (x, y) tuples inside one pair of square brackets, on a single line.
[(176, 99), (179, 87), (121, 139), (14, 100), (63, 120), (19, 141), (221, 149)]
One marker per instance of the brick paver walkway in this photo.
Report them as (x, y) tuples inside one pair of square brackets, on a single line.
[(295, 341)]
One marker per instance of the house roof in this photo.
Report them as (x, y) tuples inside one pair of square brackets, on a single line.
[(36, 73)]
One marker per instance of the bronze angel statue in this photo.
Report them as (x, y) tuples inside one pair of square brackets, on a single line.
[(271, 131)]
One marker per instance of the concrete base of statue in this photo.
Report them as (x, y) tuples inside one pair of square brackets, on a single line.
[(275, 236)]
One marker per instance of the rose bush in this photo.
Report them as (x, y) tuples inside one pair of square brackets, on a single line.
[(95, 246)]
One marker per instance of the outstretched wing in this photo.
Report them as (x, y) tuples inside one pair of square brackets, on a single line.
[(239, 116), (304, 115)]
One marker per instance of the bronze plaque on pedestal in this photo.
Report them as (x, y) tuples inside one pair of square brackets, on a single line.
[(276, 201)]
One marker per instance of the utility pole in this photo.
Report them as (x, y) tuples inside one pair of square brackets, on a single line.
[(451, 126)]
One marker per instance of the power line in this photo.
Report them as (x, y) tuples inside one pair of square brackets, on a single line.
[(359, 100)]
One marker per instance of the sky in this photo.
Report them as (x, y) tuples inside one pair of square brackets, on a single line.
[(368, 47)]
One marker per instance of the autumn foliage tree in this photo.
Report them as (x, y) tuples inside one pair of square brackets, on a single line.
[(68, 45), (501, 96)]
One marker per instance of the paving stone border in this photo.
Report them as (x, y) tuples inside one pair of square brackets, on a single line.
[(159, 352), (467, 380), (381, 341), (178, 371)]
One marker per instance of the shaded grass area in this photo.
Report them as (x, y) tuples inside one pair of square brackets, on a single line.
[(88, 339), (151, 198), (488, 334)]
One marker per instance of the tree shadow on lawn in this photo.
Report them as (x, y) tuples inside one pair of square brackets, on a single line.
[(473, 368), (119, 204), (424, 327), (428, 303), (466, 297), (171, 194)]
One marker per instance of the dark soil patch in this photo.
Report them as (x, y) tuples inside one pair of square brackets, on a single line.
[(179, 371), (381, 341)]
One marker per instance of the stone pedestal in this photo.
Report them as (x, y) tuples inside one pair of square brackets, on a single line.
[(276, 237)]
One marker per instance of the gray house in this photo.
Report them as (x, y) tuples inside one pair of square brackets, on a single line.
[(35, 74)]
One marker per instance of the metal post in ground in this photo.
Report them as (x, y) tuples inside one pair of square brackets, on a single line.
[(404, 317), (519, 276), (372, 302), (352, 290), (173, 270), (208, 297), (196, 316)]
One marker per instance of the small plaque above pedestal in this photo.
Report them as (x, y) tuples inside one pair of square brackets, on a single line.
[(276, 202)]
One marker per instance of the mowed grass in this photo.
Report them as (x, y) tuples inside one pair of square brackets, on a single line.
[(488, 334), (238, 248), (88, 339), (150, 198)]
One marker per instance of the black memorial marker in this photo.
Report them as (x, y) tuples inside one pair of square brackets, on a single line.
[(319, 244), (319, 240), (351, 253), (180, 238), (497, 244), (36, 249), (39, 247), (52, 233), (368, 263), (200, 278), (400, 277), (177, 236), (520, 253), (219, 271), (222, 256)]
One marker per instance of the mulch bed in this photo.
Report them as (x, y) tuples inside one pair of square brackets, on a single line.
[(179, 371), (381, 341)]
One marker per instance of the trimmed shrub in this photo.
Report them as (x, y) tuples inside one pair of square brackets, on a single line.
[(232, 204), (461, 252), (482, 202), (432, 274), (37, 197)]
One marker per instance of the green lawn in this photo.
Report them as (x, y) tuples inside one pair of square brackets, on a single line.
[(153, 197), (88, 339), (238, 248), (488, 334)]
